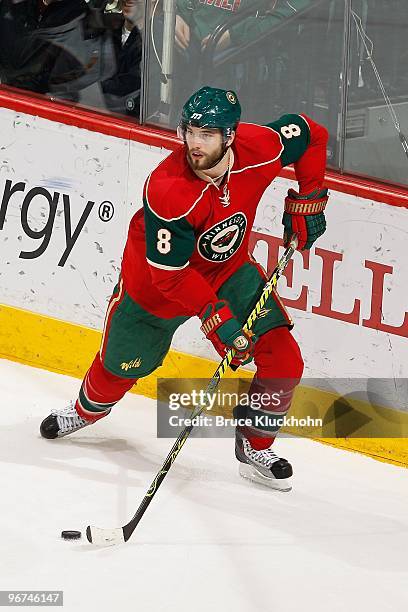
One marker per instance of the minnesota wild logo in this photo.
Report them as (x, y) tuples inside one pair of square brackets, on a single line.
[(221, 241)]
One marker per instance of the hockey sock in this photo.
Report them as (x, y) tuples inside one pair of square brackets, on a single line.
[(100, 391), (279, 370)]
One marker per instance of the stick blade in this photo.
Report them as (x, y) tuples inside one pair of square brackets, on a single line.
[(105, 537)]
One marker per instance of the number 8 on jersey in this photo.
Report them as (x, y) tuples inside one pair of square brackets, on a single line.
[(163, 241)]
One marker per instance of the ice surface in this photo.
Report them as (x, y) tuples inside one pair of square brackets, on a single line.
[(209, 541)]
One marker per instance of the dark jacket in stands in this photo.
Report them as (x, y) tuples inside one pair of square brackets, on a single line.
[(26, 61), (127, 78)]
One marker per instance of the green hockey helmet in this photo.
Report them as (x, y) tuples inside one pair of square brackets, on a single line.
[(211, 108)]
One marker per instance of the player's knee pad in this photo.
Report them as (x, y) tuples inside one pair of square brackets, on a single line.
[(277, 355)]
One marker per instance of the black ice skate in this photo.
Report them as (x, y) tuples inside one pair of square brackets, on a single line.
[(262, 466), (63, 422)]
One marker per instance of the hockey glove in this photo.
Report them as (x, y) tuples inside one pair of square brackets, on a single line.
[(221, 327), (304, 216)]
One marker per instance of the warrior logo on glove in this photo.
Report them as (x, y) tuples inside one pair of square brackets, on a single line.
[(304, 216)]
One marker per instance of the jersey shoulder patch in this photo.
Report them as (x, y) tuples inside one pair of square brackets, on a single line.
[(172, 190), (294, 133)]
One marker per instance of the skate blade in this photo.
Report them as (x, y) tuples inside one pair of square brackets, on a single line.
[(251, 473)]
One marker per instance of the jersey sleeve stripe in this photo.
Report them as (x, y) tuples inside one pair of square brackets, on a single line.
[(163, 267), (114, 302), (306, 121)]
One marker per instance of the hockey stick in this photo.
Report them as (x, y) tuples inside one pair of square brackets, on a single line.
[(119, 535)]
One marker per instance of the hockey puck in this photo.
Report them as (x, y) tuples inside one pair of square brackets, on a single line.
[(70, 535)]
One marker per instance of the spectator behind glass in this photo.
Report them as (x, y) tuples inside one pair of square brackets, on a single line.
[(55, 47), (197, 19), (122, 90), (27, 59)]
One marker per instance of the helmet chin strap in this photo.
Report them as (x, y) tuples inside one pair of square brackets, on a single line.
[(223, 154)]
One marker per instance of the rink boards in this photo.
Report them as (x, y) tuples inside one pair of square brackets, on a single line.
[(67, 195)]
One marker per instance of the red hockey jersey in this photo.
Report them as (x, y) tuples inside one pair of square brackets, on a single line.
[(191, 236)]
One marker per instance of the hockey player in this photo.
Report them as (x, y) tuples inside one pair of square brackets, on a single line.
[(187, 255)]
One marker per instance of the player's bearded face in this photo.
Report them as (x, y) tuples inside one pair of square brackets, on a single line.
[(204, 147)]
